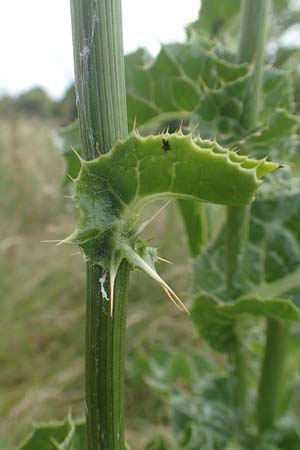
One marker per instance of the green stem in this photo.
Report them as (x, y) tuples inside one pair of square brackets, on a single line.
[(252, 48), (254, 16), (195, 219), (272, 376), (252, 45), (101, 102), (254, 21), (236, 240)]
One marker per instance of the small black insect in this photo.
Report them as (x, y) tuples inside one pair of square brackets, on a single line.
[(166, 147)]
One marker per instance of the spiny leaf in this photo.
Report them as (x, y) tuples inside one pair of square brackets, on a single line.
[(194, 80), (214, 16), (67, 435), (212, 324), (171, 86), (277, 91), (220, 111), (276, 137), (42, 437), (111, 191), (216, 321), (273, 252)]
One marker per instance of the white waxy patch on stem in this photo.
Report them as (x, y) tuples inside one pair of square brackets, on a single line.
[(102, 281)]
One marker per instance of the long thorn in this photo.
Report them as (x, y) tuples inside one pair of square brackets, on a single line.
[(171, 298), (175, 296), (63, 241), (51, 241), (164, 260)]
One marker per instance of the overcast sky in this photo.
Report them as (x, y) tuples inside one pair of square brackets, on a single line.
[(36, 46)]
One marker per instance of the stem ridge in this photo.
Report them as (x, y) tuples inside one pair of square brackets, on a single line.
[(101, 103)]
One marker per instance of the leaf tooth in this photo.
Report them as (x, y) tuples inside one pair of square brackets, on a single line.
[(264, 167), (180, 132), (234, 157), (249, 164), (216, 148)]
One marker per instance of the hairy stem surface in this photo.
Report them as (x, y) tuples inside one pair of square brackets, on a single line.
[(101, 102), (252, 47)]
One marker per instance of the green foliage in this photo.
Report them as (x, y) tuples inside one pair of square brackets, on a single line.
[(199, 83), (214, 91), (111, 191), (174, 83), (161, 443), (67, 435), (201, 398), (273, 252), (216, 321), (213, 16)]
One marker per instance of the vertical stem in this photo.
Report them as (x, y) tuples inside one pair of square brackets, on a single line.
[(254, 21), (272, 377), (237, 240), (195, 219), (252, 48), (101, 102), (254, 16)]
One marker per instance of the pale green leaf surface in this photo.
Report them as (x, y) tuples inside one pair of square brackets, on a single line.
[(274, 250), (111, 191), (194, 80), (220, 114), (172, 85), (221, 110), (67, 435), (213, 324), (277, 137), (43, 436), (215, 320), (277, 91), (214, 16)]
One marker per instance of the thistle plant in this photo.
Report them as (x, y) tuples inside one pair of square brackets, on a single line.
[(225, 106)]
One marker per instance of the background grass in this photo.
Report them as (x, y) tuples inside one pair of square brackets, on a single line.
[(42, 301)]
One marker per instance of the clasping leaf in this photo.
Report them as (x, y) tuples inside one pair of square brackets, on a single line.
[(112, 189)]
